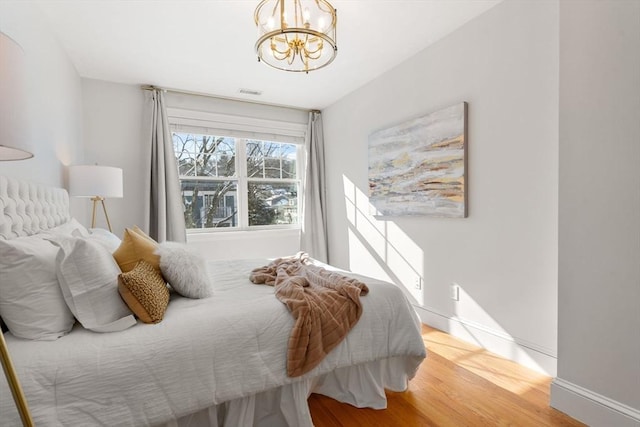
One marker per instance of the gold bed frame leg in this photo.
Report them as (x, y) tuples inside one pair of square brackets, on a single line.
[(14, 384)]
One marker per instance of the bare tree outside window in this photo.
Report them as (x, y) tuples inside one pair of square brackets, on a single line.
[(204, 200), (211, 185)]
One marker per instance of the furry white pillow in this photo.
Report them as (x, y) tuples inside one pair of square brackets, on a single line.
[(185, 270)]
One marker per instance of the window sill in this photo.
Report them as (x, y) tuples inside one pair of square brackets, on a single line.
[(209, 236)]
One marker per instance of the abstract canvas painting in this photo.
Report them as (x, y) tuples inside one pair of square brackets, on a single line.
[(419, 167)]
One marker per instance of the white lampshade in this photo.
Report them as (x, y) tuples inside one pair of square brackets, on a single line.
[(13, 98), (95, 181), (10, 153)]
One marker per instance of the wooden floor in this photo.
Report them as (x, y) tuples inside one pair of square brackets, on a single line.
[(458, 384)]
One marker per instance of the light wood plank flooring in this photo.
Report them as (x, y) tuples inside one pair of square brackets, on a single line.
[(458, 384)]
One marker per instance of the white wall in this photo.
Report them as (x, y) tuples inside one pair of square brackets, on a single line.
[(113, 135), (54, 105), (599, 244), (504, 255)]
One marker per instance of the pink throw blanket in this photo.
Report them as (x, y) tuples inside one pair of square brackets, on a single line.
[(325, 305)]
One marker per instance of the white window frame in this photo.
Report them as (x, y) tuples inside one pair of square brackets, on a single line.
[(243, 129)]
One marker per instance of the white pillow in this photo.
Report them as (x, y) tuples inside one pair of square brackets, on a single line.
[(106, 238), (31, 302), (185, 270), (88, 277), (67, 229)]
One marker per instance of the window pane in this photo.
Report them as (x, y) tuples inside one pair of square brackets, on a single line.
[(186, 166), (271, 149), (289, 168), (210, 204), (204, 155), (227, 147), (289, 158), (289, 151), (184, 149), (215, 156), (183, 143), (255, 168), (267, 159), (254, 149), (272, 203), (226, 151), (205, 163), (255, 159), (272, 167)]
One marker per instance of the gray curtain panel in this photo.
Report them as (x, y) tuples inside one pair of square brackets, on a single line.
[(313, 238), (164, 211)]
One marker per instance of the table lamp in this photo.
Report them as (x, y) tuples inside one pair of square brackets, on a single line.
[(98, 183)]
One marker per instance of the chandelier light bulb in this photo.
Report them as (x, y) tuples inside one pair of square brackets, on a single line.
[(306, 16)]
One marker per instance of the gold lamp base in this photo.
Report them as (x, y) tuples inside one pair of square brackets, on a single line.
[(95, 201), (14, 384)]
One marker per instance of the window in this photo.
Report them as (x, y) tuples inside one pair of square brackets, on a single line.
[(237, 183)]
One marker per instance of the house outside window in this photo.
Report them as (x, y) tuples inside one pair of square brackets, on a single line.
[(237, 183)]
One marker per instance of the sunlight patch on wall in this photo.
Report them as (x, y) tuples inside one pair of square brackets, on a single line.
[(380, 248)]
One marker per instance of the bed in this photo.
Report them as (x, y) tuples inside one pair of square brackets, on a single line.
[(217, 361)]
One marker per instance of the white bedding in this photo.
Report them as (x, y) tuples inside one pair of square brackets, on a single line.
[(225, 348)]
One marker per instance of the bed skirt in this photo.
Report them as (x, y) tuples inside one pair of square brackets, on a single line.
[(362, 386)]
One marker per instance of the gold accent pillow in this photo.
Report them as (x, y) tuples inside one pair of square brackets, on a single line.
[(142, 233), (145, 292), (136, 246)]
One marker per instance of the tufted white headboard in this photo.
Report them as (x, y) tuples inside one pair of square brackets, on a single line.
[(27, 208)]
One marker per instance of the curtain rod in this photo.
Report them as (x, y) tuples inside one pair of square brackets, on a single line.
[(228, 98)]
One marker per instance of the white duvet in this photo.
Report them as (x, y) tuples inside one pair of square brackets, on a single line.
[(204, 352)]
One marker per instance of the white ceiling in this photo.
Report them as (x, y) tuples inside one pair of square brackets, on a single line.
[(208, 46)]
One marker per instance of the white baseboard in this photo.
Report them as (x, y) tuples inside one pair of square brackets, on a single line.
[(528, 354), (591, 408)]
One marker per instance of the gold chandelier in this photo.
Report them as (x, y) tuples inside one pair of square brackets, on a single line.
[(296, 35)]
